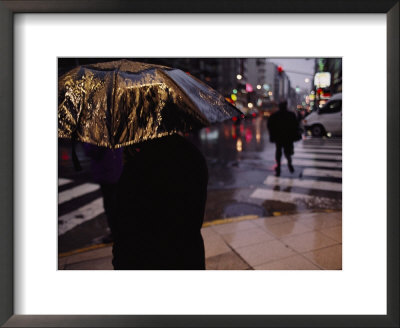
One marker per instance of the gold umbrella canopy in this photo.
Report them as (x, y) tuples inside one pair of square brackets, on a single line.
[(120, 103)]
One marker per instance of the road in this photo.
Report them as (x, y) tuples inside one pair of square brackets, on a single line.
[(241, 164)]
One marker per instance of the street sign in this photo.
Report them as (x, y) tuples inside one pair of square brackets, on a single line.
[(322, 79)]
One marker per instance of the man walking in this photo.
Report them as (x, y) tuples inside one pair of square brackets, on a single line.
[(283, 131)]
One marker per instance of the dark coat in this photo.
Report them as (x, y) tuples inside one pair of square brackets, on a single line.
[(283, 127), (106, 164), (161, 202)]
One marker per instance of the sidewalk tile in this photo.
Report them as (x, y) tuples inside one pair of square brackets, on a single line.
[(246, 237), (208, 232), (288, 228), (320, 221), (234, 226), (297, 262), (334, 233), (96, 264), (264, 252), (308, 241), (215, 245), (329, 258), (226, 261)]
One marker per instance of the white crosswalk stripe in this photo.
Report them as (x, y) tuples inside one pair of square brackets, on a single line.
[(314, 162), (322, 173), (310, 184), (317, 150), (319, 156), (62, 181), (75, 192), (305, 146), (287, 197), (82, 214)]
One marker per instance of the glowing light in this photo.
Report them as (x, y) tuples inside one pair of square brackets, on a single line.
[(239, 77), (306, 80), (234, 91), (230, 100), (209, 135), (270, 93), (250, 105), (239, 145), (64, 155), (266, 86), (258, 86), (249, 87), (248, 135), (233, 97), (322, 79)]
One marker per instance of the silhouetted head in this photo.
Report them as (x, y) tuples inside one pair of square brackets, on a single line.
[(283, 105)]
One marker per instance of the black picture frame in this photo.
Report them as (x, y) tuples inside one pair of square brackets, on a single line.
[(7, 11)]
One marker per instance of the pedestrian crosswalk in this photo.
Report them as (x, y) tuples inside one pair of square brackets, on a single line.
[(322, 173), (318, 175), (79, 209), (82, 214), (75, 192), (303, 183), (317, 155), (313, 162), (318, 150)]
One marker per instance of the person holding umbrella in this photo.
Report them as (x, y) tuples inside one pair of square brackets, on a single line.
[(161, 201), (162, 191)]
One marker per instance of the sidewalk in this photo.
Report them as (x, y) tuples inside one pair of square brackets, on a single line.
[(306, 241)]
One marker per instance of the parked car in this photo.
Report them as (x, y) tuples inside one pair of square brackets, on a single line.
[(327, 120)]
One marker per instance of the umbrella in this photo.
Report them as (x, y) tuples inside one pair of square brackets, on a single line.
[(120, 103)]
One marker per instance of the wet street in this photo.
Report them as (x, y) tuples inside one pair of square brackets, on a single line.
[(241, 182)]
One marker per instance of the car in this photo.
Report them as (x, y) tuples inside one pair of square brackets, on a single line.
[(327, 120)]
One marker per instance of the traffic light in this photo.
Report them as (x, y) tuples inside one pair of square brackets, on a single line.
[(280, 70)]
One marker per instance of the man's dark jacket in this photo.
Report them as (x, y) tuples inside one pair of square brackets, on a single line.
[(283, 127)]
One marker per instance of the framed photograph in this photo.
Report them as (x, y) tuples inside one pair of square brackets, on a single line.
[(38, 38)]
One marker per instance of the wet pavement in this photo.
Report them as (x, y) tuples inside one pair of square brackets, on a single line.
[(241, 164)]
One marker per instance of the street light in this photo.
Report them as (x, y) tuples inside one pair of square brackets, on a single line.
[(239, 77), (258, 86)]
